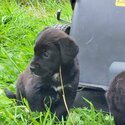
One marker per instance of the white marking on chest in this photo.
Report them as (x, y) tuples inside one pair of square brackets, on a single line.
[(58, 88)]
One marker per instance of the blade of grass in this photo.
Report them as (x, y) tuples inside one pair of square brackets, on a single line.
[(3, 50)]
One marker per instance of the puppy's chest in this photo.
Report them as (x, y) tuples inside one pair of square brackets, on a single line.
[(50, 90), (51, 93), (45, 88)]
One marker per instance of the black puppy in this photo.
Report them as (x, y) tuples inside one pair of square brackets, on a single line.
[(40, 82), (116, 98), (73, 4)]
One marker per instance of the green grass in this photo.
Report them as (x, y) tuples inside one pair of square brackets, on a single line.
[(19, 26)]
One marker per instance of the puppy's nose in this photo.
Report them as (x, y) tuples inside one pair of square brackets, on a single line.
[(34, 67)]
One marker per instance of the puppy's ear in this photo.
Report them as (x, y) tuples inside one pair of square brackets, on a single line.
[(68, 49)]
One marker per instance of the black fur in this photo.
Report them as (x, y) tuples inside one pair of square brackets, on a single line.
[(116, 99), (73, 4), (40, 82)]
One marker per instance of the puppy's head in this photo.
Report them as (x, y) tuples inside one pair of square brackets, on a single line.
[(53, 48)]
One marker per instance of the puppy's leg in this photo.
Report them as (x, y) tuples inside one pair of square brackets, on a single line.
[(61, 108), (10, 94)]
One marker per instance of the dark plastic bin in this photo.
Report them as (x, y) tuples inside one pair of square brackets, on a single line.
[(99, 29)]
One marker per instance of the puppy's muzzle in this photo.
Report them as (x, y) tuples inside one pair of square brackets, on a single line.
[(35, 67), (32, 68)]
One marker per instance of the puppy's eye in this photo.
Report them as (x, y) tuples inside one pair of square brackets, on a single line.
[(46, 54)]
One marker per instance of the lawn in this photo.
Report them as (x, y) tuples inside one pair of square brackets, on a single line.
[(20, 22)]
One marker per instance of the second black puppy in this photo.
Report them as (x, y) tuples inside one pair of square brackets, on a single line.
[(40, 82), (116, 98)]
